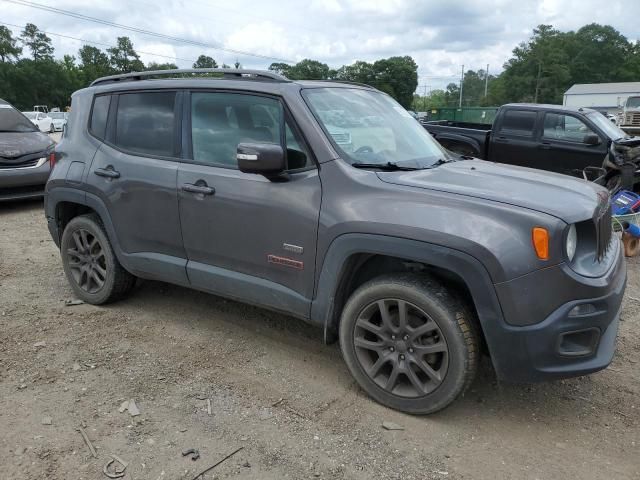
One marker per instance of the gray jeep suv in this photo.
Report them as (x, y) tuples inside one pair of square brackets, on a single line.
[(328, 202)]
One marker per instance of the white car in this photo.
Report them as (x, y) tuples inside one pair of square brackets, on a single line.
[(41, 120), (59, 120)]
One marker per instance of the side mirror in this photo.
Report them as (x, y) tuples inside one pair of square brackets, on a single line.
[(591, 139), (263, 158)]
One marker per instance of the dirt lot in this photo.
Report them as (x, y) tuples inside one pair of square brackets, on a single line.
[(274, 388)]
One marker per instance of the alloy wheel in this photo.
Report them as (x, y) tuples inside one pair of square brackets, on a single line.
[(87, 261), (401, 348)]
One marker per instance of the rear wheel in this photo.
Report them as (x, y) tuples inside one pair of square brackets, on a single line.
[(410, 343), (91, 267)]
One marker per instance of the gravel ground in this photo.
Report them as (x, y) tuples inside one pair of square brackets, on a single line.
[(274, 390)]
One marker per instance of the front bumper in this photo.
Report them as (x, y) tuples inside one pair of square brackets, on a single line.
[(564, 343), (23, 183)]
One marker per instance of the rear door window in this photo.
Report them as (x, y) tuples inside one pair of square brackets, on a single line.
[(145, 123), (518, 122), (99, 114)]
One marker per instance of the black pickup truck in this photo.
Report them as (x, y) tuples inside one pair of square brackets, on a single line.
[(549, 137)]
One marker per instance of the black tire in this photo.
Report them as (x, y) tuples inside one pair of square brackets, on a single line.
[(91, 267), (52, 128), (438, 364)]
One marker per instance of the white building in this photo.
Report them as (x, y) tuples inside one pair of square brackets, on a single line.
[(606, 97)]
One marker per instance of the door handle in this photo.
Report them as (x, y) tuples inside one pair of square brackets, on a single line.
[(108, 172), (545, 146), (202, 189), (501, 140)]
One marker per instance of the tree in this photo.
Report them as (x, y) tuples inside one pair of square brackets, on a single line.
[(94, 63), (38, 42), (204, 61), (123, 58), (9, 48), (280, 68), (304, 70), (397, 76), (161, 66)]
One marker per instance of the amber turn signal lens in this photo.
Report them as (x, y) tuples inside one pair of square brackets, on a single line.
[(540, 237)]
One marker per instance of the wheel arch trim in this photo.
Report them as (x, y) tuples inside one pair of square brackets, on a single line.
[(467, 267), (62, 194)]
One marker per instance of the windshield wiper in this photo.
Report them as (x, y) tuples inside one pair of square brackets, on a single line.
[(440, 161), (389, 166)]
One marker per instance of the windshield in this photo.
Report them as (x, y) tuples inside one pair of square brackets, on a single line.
[(371, 128), (12, 120), (57, 115), (633, 102), (612, 131)]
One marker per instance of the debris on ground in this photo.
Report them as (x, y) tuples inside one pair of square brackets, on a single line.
[(208, 406), (392, 426), (39, 344), (47, 421), (73, 303), (216, 464), (195, 454), (85, 437), (131, 406), (118, 472)]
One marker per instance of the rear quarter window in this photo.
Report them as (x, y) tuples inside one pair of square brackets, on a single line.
[(518, 122), (99, 114)]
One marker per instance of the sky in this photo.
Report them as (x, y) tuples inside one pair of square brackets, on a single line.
[(441, 35)]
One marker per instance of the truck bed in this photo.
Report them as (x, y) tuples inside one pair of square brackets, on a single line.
[(461, 137)]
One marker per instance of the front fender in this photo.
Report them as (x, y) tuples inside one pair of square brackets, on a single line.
[(467, 267)]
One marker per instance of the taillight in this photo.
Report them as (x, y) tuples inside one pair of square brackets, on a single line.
[(52, 159)]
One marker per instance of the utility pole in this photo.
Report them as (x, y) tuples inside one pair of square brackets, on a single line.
[(424, 99), (486, 81), (461, 84)]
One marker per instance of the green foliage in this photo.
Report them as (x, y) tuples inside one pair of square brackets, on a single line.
[(205, 61), (303, 70), (123, 58), (160, 66), (94, 63), (9, 49), (38, 42), (540, 69), (397, 76)]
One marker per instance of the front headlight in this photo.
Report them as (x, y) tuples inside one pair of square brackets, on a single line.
[(571, 242)]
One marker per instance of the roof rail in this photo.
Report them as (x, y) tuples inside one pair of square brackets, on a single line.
[(348, 82), (227, 73)]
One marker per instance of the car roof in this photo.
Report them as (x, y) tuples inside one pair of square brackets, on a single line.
[(229, 79), (549, 107)]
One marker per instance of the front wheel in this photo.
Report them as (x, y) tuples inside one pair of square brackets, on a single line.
[(91, 267), (409, 342)]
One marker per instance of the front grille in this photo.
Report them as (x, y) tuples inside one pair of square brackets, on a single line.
[(28, 163), (21, 161), (632, 119), (603, 231)]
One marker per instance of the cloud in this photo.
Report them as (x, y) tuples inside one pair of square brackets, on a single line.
[(441, 35)]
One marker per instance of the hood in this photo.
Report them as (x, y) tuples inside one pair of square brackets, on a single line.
[(14, 145), (567, 198)]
